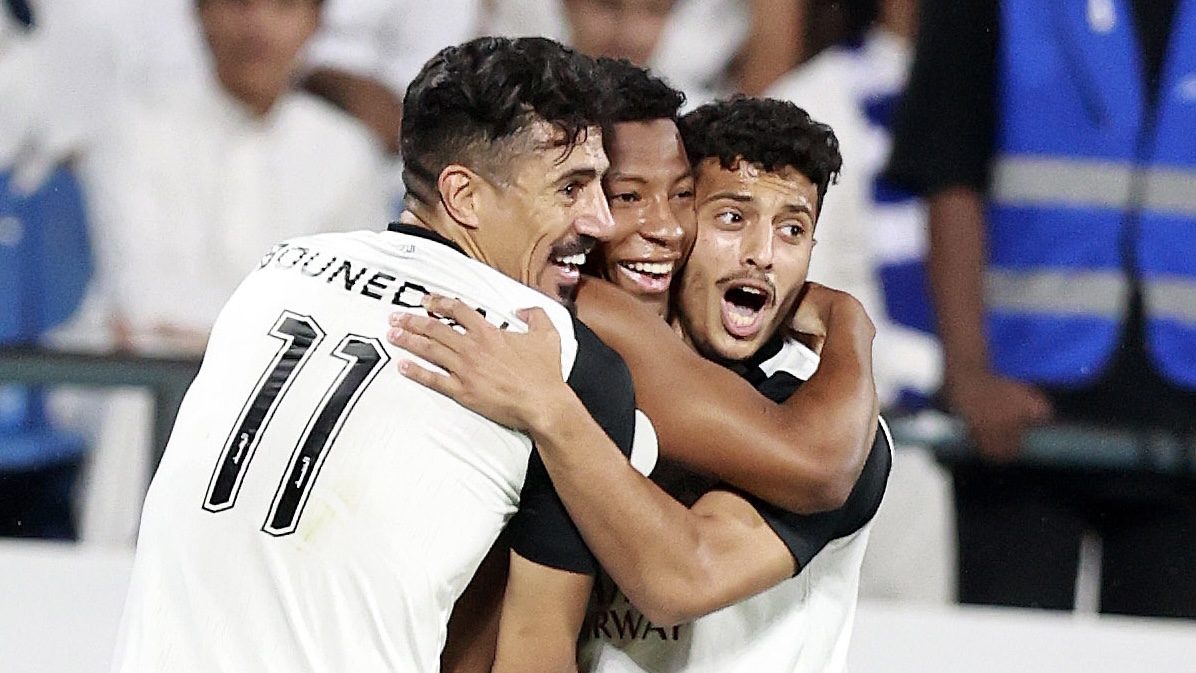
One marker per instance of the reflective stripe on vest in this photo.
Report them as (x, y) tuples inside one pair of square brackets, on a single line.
[(1038, 181)]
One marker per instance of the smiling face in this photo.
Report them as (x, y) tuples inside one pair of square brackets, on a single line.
[(548, 213), (650, 190), (750, 259)]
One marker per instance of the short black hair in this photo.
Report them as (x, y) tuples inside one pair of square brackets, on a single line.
[(471, 103), (638, 94), (766, 132)]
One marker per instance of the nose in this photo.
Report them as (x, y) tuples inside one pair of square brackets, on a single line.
[(595, 219), (756, 246), (661, 226)]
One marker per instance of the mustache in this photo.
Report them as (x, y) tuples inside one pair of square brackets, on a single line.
[(583, 244)]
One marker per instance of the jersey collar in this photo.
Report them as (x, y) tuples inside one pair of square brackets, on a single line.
[(422, 232)]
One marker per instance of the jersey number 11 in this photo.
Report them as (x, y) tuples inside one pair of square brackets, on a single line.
[(300, 335)]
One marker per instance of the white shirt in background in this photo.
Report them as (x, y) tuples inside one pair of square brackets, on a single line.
[(189, 191)]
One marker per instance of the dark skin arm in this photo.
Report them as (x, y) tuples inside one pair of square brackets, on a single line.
[(804, 455)]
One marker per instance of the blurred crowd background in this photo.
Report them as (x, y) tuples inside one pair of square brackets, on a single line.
[(152, 150)]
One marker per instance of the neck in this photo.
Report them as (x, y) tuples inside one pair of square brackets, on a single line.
[(436, 220)]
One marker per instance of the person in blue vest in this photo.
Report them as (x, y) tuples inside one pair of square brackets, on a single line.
[(1056, 144)]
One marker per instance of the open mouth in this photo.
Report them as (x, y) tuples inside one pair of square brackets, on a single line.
[(569, 257), (648, 277), (743, 309)]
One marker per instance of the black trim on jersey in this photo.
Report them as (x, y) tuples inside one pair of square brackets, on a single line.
[(423, 232), (807, 534), (541, 531)]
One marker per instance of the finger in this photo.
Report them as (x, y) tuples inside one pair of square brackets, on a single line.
[(441, 383), (431, 350), (537, 320), (433, 329), (457, 311)]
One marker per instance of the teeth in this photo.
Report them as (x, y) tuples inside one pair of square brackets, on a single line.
[(653, 268), (572, 260), (741, 318), (752, 290)]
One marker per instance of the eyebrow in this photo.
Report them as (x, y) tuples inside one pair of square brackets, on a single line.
[(746, 197), (625, 177), (581, 172), (616, 176), (741, 197)]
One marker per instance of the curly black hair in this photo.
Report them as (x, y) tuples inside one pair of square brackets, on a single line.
[(769, 133), (638, 95), (471, 104)]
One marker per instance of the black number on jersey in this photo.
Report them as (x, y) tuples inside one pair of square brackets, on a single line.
[(364, 357)]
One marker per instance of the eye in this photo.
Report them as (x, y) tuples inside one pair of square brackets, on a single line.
[(792, 230), (571, 190), (625, 197), (728, 218), (684, 195)]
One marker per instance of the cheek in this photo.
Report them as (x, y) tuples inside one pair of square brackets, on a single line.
[(795, 268), (626, 225)]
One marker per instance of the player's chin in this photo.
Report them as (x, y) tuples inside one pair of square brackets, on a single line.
[(560, 282), (566, 293), (732, 348)]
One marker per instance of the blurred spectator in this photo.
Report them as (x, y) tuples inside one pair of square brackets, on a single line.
[(367, 51), (871, 242), (189, 187), (706, 48), (1055, 143)]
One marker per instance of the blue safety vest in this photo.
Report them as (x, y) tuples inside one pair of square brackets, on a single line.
[(1091, 185)]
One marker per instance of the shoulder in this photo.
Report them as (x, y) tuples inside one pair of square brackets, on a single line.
[(602, 381)]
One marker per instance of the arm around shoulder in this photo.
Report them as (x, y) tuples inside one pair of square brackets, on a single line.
[(803, 455)]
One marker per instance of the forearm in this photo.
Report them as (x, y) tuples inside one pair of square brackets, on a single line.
[(542, 614), (837, 409), (649, 543), (955, 265)]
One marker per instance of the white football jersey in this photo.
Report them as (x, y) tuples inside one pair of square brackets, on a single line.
[(801, 625), (314, 509)]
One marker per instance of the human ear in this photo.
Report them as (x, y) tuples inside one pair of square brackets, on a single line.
[(459, 189)]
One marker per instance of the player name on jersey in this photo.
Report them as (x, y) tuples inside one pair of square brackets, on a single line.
[(354, 277)]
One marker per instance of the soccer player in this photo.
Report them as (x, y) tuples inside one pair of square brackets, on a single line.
[(314, 510), (762, 172)]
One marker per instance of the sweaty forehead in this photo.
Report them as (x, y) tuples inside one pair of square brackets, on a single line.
[(750, 182), (587, 154)]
